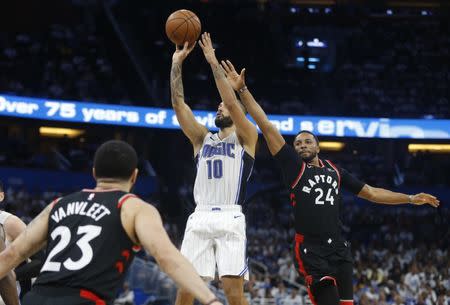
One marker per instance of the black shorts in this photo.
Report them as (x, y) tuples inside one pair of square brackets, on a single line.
[(47, 295), (318, 260)]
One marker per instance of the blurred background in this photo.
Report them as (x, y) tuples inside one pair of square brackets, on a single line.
[(315, 58)]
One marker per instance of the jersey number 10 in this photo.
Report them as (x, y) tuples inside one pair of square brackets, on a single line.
[(215, 169)]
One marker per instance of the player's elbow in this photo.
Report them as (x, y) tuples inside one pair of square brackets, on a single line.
[(367, 193), (373, 194), (12, 255)]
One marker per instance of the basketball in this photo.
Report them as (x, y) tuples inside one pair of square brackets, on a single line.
[(183, 25)]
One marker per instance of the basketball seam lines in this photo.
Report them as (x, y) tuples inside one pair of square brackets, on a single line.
[(187, 30), (176, 18), (189, 19), (196, 20), (185, 15), (195, 28), (187, 24), (178, 27)]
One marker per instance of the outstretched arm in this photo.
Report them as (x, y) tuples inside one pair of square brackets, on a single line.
[(147, 219), (274, 139), (379, 195), (195, 131), (244, 128), (8, 289), (27, 243)]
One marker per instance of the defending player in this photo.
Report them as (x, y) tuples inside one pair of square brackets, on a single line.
[(13, 226), (215, 232), (90, 235), (323, 257)]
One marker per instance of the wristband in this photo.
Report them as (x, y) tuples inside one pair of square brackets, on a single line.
[(212, 301), (410, 198), (243, 89)]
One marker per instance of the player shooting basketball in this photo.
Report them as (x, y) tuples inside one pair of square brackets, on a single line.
[(322, 256), (215, 232)]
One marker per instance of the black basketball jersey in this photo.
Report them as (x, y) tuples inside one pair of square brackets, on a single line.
[(87, 247), (315, 193)]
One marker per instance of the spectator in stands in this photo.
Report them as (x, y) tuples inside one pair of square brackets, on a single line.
[(126, 297), (294, 298)]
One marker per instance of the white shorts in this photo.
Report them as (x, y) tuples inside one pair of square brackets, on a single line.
[(215, 235)]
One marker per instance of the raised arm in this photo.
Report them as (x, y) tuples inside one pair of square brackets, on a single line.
[(273, 137), (195, 131), (245, 130), (27, 243), (383, 196)]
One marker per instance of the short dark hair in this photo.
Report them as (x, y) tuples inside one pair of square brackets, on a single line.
[(306, 131), (115, 159)]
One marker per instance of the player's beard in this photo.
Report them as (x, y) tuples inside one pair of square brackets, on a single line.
[(309, 157), (223, 122)]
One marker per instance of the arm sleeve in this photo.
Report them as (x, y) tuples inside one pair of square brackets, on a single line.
[(350, 182), (290, 163)]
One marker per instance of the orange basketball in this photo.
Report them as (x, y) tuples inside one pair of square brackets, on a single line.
[(183, 25)]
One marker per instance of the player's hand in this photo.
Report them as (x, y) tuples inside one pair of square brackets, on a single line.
[(208, 50), (237, 81), (180, 54), (423, 198)]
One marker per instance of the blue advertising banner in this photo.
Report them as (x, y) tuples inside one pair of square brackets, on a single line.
[(93, 113)]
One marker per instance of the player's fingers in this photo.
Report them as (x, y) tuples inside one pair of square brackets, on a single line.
[(224, 66), (200, 43), (193, 46), (230, 65), (203, 38), (243, 73), (185, 46)]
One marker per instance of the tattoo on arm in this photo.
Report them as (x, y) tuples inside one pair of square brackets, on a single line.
[(176, 84), (218, 71)]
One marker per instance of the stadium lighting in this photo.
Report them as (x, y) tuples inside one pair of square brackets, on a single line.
[(331, 146), (389, 12), (56, 132), (299, 43), (313, 59), (435, 148), (300, 59), (316, 43), (312, 67)]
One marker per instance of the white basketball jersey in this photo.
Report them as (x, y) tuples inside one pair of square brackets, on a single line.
[(223, 169)]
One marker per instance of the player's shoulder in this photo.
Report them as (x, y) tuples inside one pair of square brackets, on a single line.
[(332, 164), (131, 201), (3, 216), (209, 136)]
